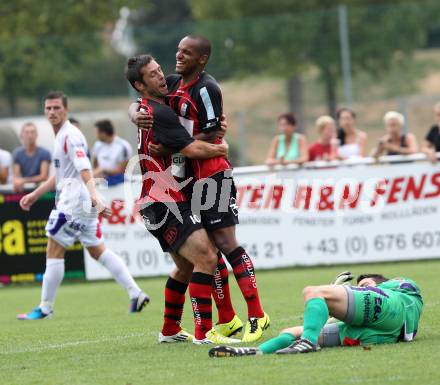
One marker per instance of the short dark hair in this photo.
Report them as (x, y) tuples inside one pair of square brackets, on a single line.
[(204, 46), (289, 117), (135, 64), (345, 109), (105, 126), (378, 278), (56, 95)]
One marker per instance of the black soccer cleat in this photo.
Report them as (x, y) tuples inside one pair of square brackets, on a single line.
[(300, 346), (228, 351)]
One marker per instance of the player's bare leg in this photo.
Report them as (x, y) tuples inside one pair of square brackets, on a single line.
[(320, 303), (244, 272), (52, 278), (119, 271)]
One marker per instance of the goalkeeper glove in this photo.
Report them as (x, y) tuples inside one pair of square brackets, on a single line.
[(343, 278)]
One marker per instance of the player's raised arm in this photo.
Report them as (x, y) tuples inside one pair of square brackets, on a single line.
[(211, 112), (204, 150), (170, 133)]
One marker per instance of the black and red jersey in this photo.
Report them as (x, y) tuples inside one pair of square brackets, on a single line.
[(158, 183), (199, 106)]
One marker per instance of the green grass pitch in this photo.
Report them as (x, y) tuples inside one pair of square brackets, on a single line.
[(93, 340)]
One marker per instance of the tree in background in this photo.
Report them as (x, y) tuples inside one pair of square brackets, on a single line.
[(49, 44), (285, 37), (159, 25)]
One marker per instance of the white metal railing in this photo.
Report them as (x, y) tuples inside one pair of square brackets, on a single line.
[(8, 188)]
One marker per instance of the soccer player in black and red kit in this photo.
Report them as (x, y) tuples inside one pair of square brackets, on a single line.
[(164, 207), (196, 98)]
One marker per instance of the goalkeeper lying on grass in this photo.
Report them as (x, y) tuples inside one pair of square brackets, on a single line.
[(376, 311)]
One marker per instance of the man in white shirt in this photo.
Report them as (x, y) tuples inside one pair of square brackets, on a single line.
[(76, 213), (110, 153), (5, 166)]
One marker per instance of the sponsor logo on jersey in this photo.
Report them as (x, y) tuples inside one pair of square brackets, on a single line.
[(183, 109), (56, 163), (170, 235), (233, 206), (80, 153)]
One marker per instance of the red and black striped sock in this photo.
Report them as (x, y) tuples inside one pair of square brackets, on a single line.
[(244, 272), (174, 302), (200, 289), (221, 293)]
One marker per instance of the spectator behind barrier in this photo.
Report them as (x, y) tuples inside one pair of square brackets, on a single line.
[(289, 147), (395, 141), (432, 139), (326, 147), (352, 142), (110, 154), (5, 167), (31, 162), (75, 122)]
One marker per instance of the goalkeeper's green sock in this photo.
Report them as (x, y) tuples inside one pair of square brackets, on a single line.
[(315, 317), (280, 342)]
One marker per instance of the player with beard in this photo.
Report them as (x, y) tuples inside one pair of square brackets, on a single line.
[(166, 212), (196, 98)]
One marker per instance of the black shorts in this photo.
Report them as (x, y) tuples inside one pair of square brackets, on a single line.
[(162, 222), (218, 192)]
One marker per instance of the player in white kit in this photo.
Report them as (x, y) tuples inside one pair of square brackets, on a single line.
[(75, 216)]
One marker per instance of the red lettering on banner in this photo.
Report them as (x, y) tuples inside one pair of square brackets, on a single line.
[(413, 189), (379, 191), (257, 194), (331, 197), (274, 197), (117, 217), (241, 191), (348, 199), (396, 187), (325, 203), (303, 195), (435, 180), (135, 212)]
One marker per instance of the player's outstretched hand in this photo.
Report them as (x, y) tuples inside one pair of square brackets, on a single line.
[(143, 119), (343, 278), (27, 201)]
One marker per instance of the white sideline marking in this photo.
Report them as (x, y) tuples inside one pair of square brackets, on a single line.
[(72, 344)]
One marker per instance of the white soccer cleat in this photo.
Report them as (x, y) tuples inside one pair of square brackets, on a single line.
[(182, 336), (138, 303)]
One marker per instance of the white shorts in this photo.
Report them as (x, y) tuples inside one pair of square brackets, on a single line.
[(66, 230)]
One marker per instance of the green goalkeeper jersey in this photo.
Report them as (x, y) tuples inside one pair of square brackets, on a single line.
[(410, 296)]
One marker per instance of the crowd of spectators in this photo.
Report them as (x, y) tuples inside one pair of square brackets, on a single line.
[(30, 163), (341, 139), (338, 139)]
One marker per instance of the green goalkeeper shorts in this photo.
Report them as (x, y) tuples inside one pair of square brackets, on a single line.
[(374, 316)]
